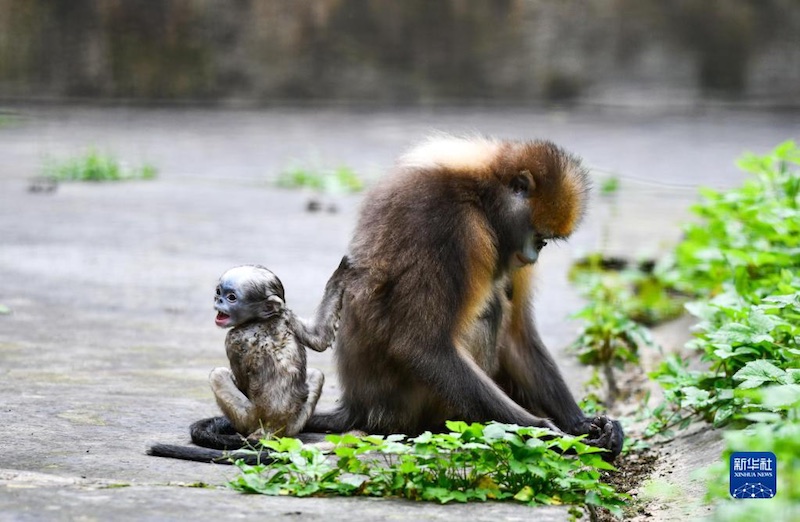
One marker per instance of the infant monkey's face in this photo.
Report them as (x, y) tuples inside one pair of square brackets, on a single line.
[(247, 293)]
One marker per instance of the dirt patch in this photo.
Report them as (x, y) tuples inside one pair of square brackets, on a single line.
[(661, 479), (632, 470)]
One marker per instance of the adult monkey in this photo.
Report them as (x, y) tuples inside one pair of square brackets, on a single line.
[(436, 319)]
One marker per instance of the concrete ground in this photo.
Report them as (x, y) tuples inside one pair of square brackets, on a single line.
[(110, 335)]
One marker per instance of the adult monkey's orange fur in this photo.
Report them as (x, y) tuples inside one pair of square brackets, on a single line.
[(436, 321)]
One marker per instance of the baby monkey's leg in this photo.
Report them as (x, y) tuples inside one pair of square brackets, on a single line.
[(315, 380), (233, 403)]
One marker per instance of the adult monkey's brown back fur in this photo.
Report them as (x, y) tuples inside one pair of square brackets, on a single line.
[(436, 322)]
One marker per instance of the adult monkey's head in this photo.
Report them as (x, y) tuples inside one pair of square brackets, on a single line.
[(554, 186), (529, 191)]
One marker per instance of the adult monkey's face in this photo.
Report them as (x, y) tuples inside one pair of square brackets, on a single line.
[(553, 185)]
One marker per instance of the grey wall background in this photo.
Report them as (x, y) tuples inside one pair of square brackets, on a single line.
[(402, 51)]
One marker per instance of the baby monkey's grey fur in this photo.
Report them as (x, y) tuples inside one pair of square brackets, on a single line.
[(267, 390)]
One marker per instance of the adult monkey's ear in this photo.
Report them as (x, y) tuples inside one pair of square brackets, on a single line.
[(523, 183)]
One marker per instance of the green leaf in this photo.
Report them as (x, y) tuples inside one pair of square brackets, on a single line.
[(762, 323), (781, 396), (761, 371), (351, 482), (701, 309), (723, 414), (695, 395), (736, 333), (723, 351), (524, 495), (424, 438), (494, 432), (764, 417), (749, 384)]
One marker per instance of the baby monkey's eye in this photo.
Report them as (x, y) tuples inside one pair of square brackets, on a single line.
[(217, 292), (231, 297)]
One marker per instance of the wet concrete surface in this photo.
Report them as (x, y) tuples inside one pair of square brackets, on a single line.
[(110, 337)]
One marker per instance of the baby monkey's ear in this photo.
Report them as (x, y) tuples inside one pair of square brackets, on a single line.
[(275, 303)]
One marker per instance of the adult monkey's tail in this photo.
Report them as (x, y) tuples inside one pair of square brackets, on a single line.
[(217, 442), (197, 454)]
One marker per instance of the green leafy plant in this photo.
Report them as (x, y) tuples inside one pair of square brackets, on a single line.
[(640, 291), (777, 432), (93, 166), (621, 299), (744, 347), (609, 338), (471, 463), (740, 263), (747, 236), (741, 260), (340, 180)]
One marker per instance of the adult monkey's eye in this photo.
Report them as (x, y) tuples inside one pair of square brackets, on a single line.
[(522, 183), (231, 298), (541, 244)]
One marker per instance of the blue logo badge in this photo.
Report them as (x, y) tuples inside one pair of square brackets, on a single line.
[(754, 474)]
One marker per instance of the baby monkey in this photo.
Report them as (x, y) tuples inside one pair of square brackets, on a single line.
[(268, 390)]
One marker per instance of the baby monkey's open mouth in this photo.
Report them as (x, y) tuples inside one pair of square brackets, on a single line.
[(222, 319)]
